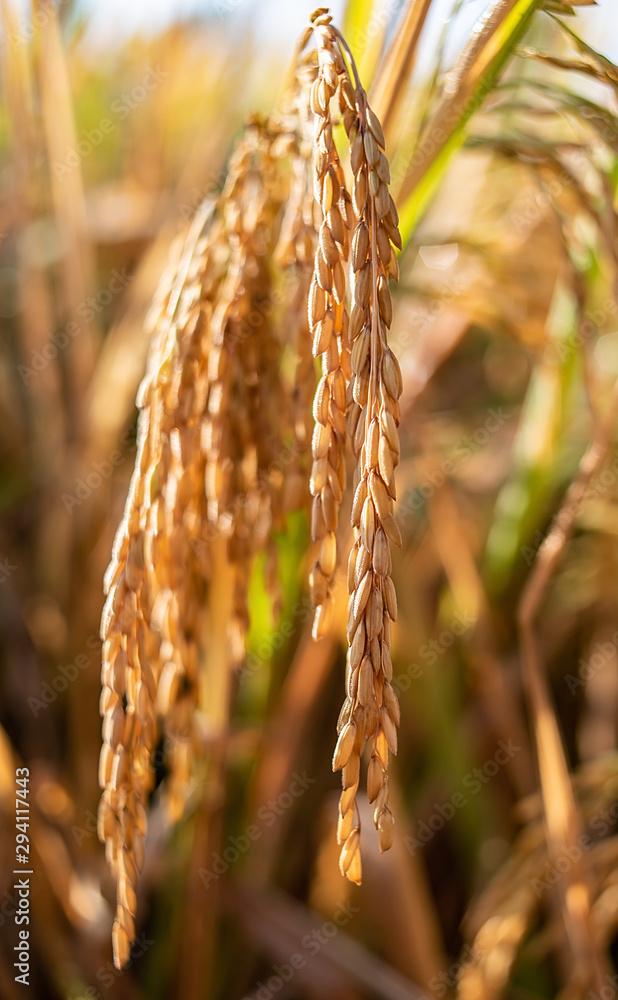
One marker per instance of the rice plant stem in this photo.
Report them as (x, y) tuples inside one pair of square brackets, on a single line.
[(561, 815)]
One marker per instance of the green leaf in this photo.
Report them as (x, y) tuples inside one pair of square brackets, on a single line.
[(472, 80), (364, 31)]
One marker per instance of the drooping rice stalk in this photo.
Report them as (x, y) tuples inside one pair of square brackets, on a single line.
[(149, 654), (328, 323), (217, 420), (371, 710), (212, 417)]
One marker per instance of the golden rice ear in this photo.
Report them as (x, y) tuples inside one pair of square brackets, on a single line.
[(214, 334), (213, 431), (374, 412), (249, 416), (151, 603), (294, 253), (328, 325)]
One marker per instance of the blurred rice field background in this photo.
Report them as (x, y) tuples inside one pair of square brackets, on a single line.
[(506, 327)]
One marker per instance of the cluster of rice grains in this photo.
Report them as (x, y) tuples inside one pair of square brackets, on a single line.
[(360, 376), (213, 415), (223, 436)]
